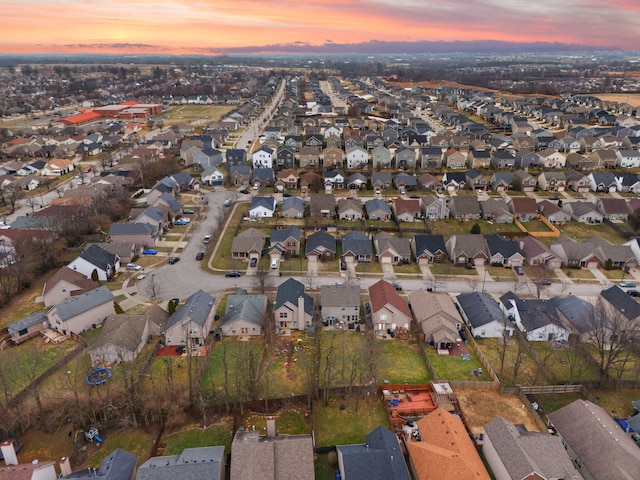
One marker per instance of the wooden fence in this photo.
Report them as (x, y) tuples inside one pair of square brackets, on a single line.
[(483, 360)]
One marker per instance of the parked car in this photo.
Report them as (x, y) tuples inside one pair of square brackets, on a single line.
[(543, 281), (142, 276), (174, 260), (627, 284), (634, 293), (227, 203), (188, 211), (199, 256), (149, 251), (244, 191), (519, 270), (343, 265), (206, 239), (134, 266), (397, 286), (180, 222), (274, 263), (232, 273), (253, 262)]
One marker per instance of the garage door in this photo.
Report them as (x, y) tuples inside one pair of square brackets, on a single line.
[(385, 260)]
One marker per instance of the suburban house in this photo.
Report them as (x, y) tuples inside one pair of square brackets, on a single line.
[(434, 208), (628, 158), (504, 252), (141, 234), (455, 159), (124, 336), (287, 180), (381, 157), (323, 205), (465, 208), (390, 249), (444, 449), (552, 212), (496, 210), (379, 458), (580, 316), (537, 319), (356, 157), (407, 209), (263, 158), (356, 181), (190, 324), (438, 318), (340, 305), (84, 311), (286, 241), (356, 247), (512, 451), (523, 181), (332, 157), (596, 444), (602, 182), (244, 314), (575, 254), (262, 177), (285, 457), (381, 180), (389, 311), (617, 302), (248, 244), (27, 327), (95, 258), (523, 208), (262, 207), (467, 249), (320, 245), (483, 315), (349, 209), (66, 283), (501, 181), (429, 249), (292, 207), (618, 256), (236, 157), (583, 211), (377, 209), (239, 175), (613, 209), (552, 181), (537, 254), (201, 462), (577, 182), (293, 308)]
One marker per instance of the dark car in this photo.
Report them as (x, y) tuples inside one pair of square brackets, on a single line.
[(543, 281), (554, 198), (634, 293), (253, 262), (173, 260), (175, 301), (232, 273), (397, 286), (244, 191), (199, 256), (343, 265), (519, 270), (187, 211)]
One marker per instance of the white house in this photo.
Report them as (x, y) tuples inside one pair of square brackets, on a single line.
[(356, 157), (263, 158), (262, 207), (628, 158), (484, 316), (537, 319)]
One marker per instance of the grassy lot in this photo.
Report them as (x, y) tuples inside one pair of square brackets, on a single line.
[(491, 348), (323, 470), (402, 362), (450, 269), (454, 367), (219, 434), (582, 231), (456, 227), (373, 267), (561, 362), (405, 269), (555, 401), (536, 226), (136, 442), (289, 421), (24, 363), (618, 400), (23, 304), (578, 273), (190, 113), (353, 425)]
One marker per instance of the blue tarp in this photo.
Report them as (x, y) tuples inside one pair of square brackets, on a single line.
[(624, 424)]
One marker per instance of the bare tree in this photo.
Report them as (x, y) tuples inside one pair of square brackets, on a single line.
[(574, 359), (518, 360), (262, 279), (435, 284), (515, 283), (473, 283)]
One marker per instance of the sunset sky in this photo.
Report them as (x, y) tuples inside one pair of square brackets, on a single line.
[(244, 26)]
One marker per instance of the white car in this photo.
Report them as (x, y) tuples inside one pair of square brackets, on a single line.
[(142, 276), (274, 263)]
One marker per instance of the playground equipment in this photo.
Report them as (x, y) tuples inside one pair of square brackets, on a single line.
[(98, 376), (91, 434)]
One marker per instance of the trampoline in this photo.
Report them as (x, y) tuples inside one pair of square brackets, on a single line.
[(98, 376)]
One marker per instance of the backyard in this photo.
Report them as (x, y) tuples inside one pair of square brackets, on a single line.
[(526, 366), (456, 367)]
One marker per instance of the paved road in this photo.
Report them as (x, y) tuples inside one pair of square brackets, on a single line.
[(185, 277)]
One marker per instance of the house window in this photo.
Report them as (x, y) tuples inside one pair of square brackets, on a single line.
[(283, 314)]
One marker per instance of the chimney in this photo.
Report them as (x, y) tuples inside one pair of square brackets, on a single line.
[(9, 453), (271, 427), (301, 323), (65, 466)]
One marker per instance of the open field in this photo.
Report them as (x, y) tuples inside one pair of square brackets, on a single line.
[(481, 406), (632, 99), (191, 113), (453, 227)]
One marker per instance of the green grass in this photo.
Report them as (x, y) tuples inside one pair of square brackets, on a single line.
[(449, 269), (288, 422), (454, 367), (236, 353), (405, 269), (490, 347), (343, 427), (136, 442), (618, 400), (582, 231), (554, 401), (456, 227), (373, 267), (324, 471), (578, 273), (402, 363), (215, 435), (560, 361)]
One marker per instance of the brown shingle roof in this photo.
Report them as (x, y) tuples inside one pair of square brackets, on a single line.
[(383, 293)]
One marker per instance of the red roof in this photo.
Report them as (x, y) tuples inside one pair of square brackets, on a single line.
[(86, 116), (382, 293)]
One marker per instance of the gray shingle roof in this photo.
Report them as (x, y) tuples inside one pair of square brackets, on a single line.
[(118, 465), (241, 305), (282, 235), (196, 308), (27, 322), (289, 291), (480, 309), (192, 464), (320, 239), (131, 229), (357, 243), (73, 306)]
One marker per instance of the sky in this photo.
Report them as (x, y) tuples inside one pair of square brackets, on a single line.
[(258, 26)]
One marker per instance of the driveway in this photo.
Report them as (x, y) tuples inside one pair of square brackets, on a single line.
[(312, 267), (387, 271)]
